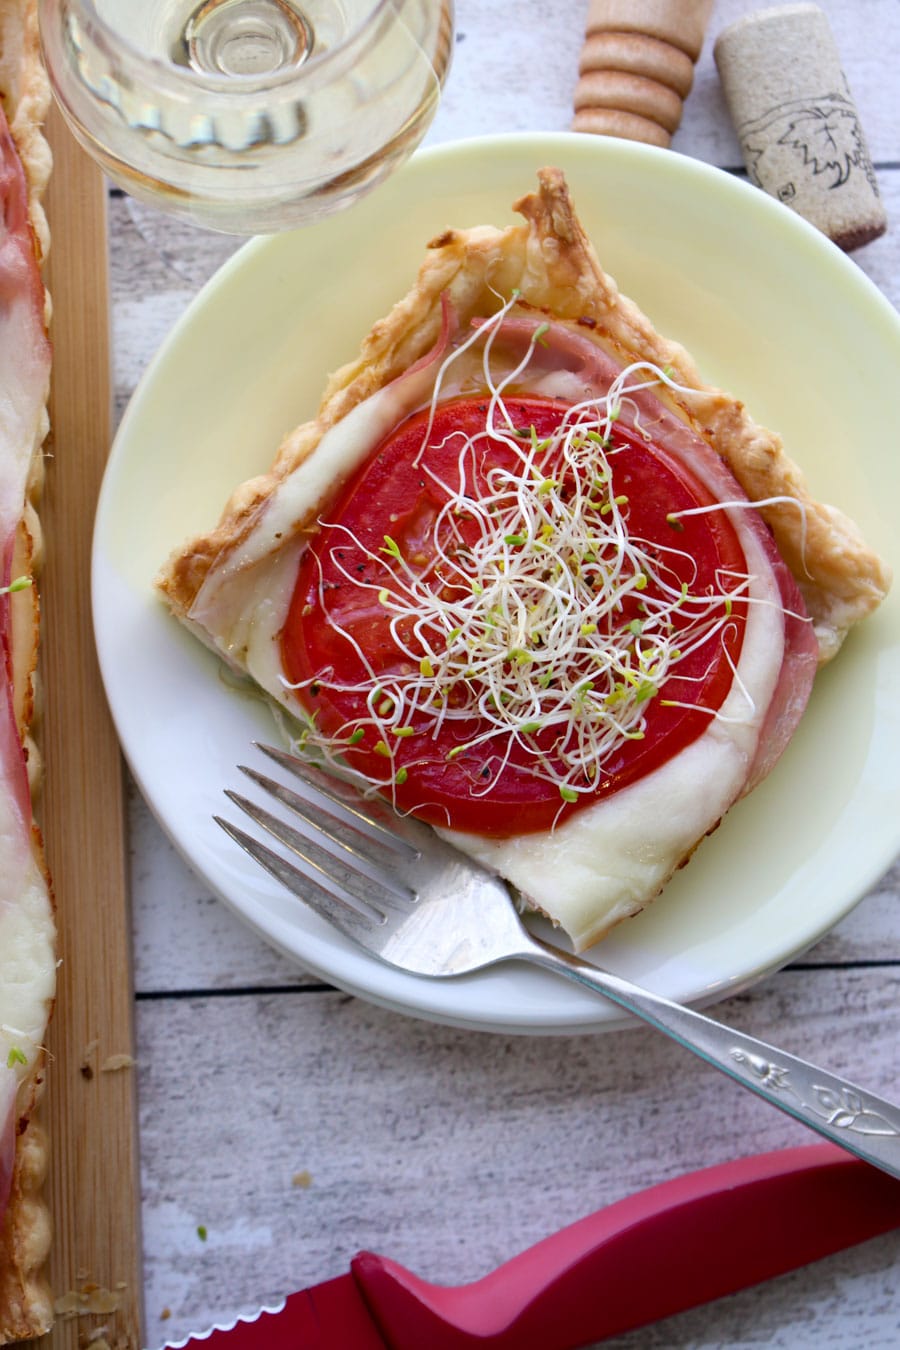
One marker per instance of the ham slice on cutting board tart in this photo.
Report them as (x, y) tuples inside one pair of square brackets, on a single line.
[(529, 577), (27, 950)]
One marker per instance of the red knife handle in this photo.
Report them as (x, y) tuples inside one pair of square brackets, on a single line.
[(672, 1247)]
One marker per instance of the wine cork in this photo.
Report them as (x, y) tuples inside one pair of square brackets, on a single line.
[(637, 67), (799, 130)]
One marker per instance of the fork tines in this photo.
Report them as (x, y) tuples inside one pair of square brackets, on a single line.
[(344, 850)]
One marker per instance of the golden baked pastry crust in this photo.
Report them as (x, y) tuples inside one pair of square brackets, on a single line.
[(550, 261), (26, 1306)]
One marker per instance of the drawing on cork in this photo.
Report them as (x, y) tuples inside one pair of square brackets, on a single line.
[(797, 142)]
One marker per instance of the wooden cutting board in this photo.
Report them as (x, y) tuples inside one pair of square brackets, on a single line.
[(90, 1108)]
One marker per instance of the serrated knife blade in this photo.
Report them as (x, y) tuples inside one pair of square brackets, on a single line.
[(674, 1246)]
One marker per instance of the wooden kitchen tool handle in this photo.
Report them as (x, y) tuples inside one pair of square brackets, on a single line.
[(94, 1187), (637, 67)]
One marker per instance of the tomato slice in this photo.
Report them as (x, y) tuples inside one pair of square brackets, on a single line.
[(338, 644)]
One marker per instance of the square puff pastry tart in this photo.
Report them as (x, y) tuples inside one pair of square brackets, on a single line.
[(233, 585), (27, 932)]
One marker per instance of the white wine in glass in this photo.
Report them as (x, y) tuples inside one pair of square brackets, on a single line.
[(248, 116)]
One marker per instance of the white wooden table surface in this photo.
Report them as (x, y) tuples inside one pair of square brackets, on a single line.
[(452, 1150)]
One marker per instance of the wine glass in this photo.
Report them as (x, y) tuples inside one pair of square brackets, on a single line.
[(247, 116)]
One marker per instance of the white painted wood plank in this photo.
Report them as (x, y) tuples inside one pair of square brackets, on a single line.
[(450, 1151), (184, 938)]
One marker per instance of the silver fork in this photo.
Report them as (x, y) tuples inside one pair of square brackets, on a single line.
[(394, 887)]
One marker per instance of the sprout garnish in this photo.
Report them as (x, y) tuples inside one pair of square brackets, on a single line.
[(532, 628)]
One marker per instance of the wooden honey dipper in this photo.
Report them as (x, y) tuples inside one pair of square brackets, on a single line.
[(637, 67)]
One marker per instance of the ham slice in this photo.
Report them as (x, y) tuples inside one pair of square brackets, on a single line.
[(25, 910)]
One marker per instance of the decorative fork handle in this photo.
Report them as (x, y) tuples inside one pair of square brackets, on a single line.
[(855, 1119)]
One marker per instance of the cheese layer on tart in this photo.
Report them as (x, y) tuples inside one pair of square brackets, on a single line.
[(27, 973), (527, 314), (27, 933)]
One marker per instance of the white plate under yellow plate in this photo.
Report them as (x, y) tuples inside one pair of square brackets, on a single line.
[(770, 310)]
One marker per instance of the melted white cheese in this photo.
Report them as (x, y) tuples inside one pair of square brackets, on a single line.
[(607, 860), (27, 972), (229, 603)]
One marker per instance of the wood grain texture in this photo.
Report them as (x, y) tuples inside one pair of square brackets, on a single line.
[(452, 1150), (90, 1108)]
